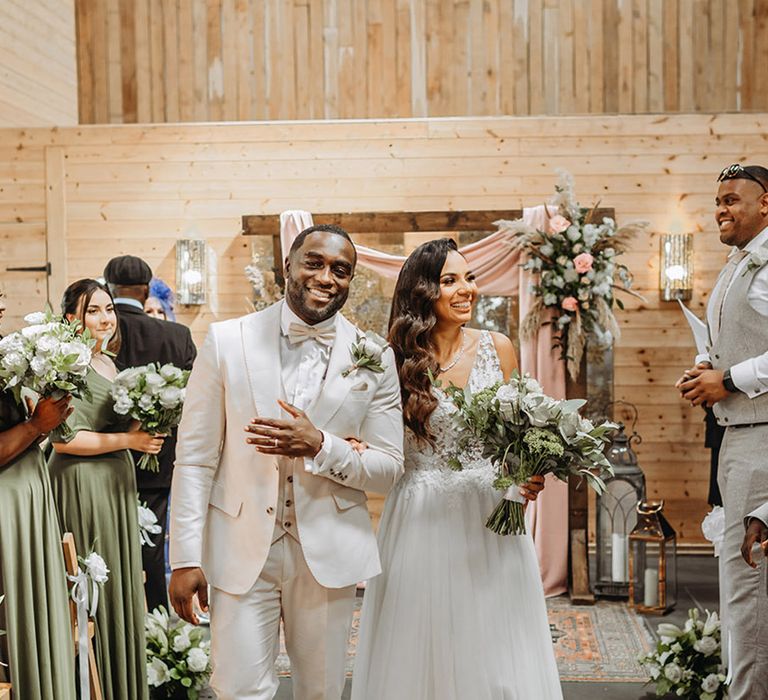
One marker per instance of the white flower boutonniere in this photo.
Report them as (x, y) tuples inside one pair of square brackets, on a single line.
[(366, 353), (756, 260)]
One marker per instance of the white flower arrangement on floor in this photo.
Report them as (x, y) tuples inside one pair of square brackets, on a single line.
[(49, 356), (178, 657), (687, 662), (575, 260), (154, 396)]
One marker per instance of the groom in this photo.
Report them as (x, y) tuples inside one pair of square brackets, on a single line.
[(271, 510)]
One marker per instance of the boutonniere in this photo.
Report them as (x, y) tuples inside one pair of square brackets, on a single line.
[(756, 260), (366, 353)]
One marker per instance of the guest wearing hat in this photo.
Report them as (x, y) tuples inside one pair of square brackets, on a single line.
[(160, 301), (147, 339)]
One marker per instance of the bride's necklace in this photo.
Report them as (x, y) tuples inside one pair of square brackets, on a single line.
[(458, 355)]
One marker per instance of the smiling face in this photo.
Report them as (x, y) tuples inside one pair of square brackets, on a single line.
[(98, 317), (318, 274), (741, 211), (458, 291)]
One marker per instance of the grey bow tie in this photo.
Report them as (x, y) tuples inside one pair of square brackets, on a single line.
[(298, 333)]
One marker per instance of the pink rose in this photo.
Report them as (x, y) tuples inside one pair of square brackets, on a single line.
[(583, 263), (570, 304), (558, 224)]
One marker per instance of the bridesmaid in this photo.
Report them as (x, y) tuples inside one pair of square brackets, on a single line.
[(94, 487), (38, 645)]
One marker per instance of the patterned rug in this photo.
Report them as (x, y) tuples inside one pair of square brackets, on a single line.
[(597, 643)]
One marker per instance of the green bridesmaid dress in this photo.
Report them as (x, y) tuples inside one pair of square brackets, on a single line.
[(38, 647), (97, 503)]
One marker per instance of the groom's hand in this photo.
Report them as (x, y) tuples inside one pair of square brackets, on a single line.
[(293, 437), (184, 584)]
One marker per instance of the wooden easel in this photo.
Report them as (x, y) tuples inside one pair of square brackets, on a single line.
[(70, 562)]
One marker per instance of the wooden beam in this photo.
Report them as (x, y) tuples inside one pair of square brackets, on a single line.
[(399, 222)]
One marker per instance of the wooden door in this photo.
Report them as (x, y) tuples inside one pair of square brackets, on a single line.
[(23, 272)]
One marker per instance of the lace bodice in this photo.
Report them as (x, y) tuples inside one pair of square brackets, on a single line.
[(426, 463)]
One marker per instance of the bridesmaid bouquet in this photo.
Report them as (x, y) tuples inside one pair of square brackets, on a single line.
[(524, 432), (50, 356), (154, 396), (178, 657)]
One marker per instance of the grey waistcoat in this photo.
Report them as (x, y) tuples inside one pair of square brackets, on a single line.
[(743, 334)]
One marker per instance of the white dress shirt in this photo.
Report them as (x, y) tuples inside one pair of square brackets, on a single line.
[(751, 375), (303, 370)]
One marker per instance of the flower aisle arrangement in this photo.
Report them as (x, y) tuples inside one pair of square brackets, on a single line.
[(178, 657), (148, 525), (575, 263), (154, 396), (524, 432), (687, 662), (266, 290), (49, 356)]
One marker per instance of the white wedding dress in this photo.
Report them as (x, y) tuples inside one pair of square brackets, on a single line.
[(458, 612)]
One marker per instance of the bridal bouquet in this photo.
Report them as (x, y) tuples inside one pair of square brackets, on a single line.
[(154, 396), (524, 432), (687, 661), (49, 356), (575, 260), (178, 658)]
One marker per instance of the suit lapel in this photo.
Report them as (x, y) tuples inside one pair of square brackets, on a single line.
[(335, 387), (261, 353)]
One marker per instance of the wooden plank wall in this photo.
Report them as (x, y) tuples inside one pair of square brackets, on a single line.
[(138, 189), (38, 70), (225, 60)]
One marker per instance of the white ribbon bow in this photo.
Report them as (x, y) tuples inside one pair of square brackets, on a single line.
[(298, 333), (79, 594), (513, 494)]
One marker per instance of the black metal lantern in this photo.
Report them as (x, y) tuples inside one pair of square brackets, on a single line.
[(617, 514)]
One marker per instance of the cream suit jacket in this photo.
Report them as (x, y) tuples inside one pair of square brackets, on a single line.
[(224, 492)]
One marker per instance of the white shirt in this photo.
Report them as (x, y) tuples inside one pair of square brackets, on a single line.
[(751, 375), (303, 370)]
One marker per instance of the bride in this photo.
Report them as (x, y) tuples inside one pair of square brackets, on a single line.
[(458, 611)]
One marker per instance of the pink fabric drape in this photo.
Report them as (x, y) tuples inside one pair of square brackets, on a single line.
[(497, 266)]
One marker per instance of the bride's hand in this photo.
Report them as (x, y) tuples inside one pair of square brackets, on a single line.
[(530, 489), (357, 445)]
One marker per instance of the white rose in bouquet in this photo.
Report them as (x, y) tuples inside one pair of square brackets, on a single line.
[(673, 672), (197, 660), (154, 382), (171, 396), (36, 318), (157, 673), (182, 642), (170, 373), (706, 645)]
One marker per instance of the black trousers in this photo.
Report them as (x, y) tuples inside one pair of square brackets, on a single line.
[(153, 558)]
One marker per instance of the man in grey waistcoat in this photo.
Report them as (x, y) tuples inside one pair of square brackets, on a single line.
[(732, 377)]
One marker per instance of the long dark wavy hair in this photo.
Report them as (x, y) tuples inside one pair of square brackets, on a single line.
[(85, 289), (410, 331)]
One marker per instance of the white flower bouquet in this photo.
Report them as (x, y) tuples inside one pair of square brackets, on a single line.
[(524, 432), (154, 396), (687, 662), (49, 356), (575, 260), (178, 657)]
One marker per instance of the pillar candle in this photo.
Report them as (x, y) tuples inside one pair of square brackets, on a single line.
[(651, 590), (618, 558)]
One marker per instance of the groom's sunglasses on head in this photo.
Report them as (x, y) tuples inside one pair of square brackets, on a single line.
[(738, 172)]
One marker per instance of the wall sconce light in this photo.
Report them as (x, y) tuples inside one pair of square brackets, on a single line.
[(190, 271), (676, 269)]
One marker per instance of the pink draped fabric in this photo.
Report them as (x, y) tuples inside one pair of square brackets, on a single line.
[(497, 266)]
